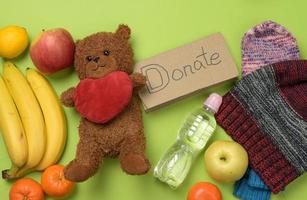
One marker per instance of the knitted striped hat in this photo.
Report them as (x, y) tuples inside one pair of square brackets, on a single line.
[(265, 44), (266, 112)]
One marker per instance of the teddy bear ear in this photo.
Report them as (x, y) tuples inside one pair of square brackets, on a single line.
[(77, 43), (123, 31)]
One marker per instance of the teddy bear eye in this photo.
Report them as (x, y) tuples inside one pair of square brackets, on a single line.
[(89, 58), (106, 52)]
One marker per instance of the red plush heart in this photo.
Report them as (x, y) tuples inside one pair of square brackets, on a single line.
[(100, 100)]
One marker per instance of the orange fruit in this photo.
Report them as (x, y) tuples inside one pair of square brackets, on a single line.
[(13, 41), (54, 183), (204, 191), (26, 188)]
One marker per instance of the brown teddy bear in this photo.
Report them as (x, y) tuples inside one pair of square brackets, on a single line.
[(96, 57)]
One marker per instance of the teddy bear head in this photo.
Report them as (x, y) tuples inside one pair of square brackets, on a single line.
[(101, 53)]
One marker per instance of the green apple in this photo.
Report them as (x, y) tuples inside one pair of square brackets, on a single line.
[(226, 161)]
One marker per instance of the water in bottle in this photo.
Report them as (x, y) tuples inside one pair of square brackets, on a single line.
[(175, 164)]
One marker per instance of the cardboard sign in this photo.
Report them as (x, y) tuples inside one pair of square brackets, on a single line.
[(179, 72)]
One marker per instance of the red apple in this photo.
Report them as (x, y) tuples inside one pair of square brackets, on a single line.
[(53, 50)]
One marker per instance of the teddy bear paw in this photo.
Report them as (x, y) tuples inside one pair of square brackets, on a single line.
[(135, 164)]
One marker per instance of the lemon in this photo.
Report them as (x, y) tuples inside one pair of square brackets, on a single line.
[(13, 41)]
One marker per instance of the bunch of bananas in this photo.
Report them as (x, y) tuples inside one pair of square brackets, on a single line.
[(32, 121)]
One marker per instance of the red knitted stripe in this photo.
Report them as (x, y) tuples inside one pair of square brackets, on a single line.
[(265, 164), (269, 163), (263, 145), (248, 136), (290, 72), (227, 109), (296, 97), (291, 76), (226, 100)]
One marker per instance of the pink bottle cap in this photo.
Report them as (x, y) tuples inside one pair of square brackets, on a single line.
[(214, 102)]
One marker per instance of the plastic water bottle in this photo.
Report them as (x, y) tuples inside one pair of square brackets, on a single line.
[(175, 164)]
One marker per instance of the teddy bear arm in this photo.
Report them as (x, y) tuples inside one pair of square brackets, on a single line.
[(67, 97), (138, 80)]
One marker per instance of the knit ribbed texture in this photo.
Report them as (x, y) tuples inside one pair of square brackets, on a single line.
[(263, 40), (257, 113), (265, 44), (293, 82), (259, 92), (269, 163)]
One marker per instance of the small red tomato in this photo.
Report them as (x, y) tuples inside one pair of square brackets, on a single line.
[(204, 191)]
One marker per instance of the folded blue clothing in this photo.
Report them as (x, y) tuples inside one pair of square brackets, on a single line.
[(251, 187), (246, 192), (255, 181)]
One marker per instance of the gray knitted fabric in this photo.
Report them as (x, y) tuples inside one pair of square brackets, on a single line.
[(288, 130)]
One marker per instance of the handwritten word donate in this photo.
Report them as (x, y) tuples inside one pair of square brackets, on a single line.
[(185, 70), (158, 76)]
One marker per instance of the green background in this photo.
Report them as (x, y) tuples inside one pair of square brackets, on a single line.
[(156, 26)]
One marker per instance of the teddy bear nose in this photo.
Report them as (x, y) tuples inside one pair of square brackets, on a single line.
[(96, 59), (93, 58)]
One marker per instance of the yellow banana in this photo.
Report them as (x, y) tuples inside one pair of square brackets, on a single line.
[(31, 117), (56, 130), (12, 130)]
